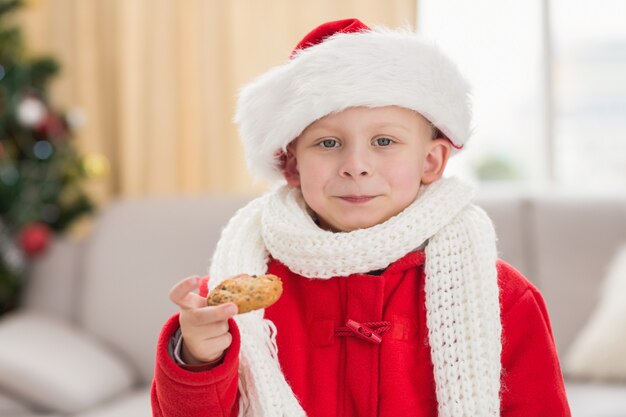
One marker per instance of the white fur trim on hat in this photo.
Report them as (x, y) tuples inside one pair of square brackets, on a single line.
[(374, 68)]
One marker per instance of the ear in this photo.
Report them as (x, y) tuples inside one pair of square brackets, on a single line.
[(290, 170), (436, 160)]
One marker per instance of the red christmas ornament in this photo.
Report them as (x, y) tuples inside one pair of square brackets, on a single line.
[(53, 126), (34, 239)]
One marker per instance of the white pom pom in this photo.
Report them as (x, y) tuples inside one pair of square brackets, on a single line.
[(31, 112)]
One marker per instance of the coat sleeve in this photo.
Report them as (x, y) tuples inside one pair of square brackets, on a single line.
[(532, 382), (177, 392)]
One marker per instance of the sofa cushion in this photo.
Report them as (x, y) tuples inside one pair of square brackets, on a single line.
[(135, 404), (10, 406), (599, 351), (55, 367)]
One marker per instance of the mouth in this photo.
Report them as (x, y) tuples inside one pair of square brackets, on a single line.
[(357, 199)]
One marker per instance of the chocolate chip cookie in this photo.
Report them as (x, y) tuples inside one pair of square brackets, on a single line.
[(248, 292)]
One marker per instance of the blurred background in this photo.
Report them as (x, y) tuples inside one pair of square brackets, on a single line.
[(154, 84), (109, 103), (157, 80)]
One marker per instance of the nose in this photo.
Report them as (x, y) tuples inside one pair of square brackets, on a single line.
[(356, 163)]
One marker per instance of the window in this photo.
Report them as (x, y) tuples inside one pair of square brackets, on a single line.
[(549, 94)]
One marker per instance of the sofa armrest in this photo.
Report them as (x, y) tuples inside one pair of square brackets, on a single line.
[(53, 280), (56, 367)]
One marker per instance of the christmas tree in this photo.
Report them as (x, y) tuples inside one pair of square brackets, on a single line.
[(40, 171)]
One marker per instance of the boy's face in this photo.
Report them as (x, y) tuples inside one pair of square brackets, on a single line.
[(361, 166)]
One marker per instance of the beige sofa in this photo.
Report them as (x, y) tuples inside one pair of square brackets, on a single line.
[(84, 343)]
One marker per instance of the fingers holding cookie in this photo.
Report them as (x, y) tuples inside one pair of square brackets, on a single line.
[(204, 321), (205, 329), (206, 332), (210, 314)]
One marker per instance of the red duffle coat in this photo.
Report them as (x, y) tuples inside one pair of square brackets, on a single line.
[(337, 373)]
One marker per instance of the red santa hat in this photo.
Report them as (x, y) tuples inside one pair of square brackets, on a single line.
[(344, 64)]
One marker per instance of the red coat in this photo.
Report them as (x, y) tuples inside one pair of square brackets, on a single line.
[(336, 375)]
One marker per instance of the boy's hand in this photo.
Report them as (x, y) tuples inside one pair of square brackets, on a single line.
[(204, 329)]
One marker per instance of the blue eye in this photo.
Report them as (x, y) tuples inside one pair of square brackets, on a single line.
[(382, 142), (329, 143)]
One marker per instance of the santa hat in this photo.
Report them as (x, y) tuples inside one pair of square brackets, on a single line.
[(344, 64)]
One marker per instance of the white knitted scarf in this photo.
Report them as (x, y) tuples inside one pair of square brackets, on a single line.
[(463, 310)]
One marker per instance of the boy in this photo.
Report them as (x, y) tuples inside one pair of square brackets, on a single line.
[(394, 301)]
